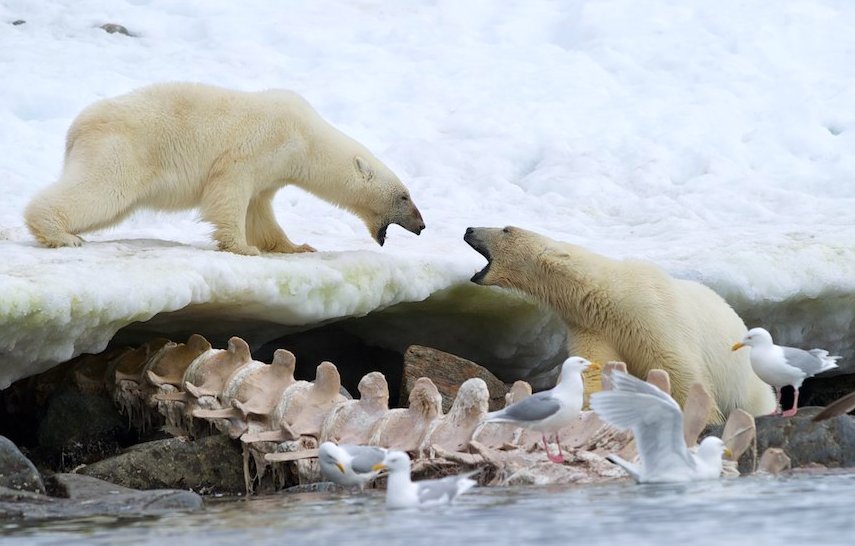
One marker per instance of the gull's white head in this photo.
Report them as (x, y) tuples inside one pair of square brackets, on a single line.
[(756, 337), (395, 461), (574, 364), (332, 456), (712, 449)]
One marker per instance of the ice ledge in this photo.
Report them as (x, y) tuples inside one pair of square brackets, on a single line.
[(58, 303)]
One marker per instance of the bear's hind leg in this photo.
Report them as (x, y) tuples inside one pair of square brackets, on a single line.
[(82, 200), (224, 204), (262, 229), (49, 225)]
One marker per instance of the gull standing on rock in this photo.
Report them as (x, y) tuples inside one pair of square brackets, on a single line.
[(349, 465), (549, 411), (657, 425), (780, 366), (402, 492)]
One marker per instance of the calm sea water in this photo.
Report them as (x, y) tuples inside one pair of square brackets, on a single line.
[(792, 510)]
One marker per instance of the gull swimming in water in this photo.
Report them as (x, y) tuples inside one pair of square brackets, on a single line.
[(402, 492), (779, 366), (349, 465), (549, 411), (657, 425)]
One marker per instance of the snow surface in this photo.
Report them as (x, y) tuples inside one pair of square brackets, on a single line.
[(714, 138)]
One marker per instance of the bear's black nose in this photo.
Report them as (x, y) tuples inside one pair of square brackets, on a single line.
[(469, 230)]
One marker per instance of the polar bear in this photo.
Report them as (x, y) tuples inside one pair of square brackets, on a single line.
[(178, 146), (630, 311)]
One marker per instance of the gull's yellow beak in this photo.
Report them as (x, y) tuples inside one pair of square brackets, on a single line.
[(728, 453), (594, 367), (378, 467), (340, 467), (736, 346)]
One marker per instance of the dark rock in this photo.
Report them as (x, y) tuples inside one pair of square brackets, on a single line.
[(828, 443), (86, 488), (823, 390), (113, 28), (80, 428), (84, 496), (16, 471), (317, 487), (18, 22), (448, 372), (212, 464)]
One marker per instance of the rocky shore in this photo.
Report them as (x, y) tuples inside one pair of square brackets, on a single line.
[(70, 450)]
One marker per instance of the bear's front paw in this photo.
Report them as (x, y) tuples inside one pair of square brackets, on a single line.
[(288, 248), (305, 248), (60, 240), (242, 250)]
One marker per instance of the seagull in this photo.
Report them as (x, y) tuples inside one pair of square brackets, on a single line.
[(549, 411), (657, 424), (402, 492), (780, 366), (349, 465)]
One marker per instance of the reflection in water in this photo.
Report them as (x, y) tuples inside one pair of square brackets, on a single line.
[(798, 509)]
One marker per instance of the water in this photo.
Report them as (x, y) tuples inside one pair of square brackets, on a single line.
[(793, 510)]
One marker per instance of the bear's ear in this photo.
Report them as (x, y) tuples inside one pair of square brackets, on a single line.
[(364, 168)]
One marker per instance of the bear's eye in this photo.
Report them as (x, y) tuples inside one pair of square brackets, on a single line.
[(404, 198), (506, 230)]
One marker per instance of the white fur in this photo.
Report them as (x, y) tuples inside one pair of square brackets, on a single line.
[(630, 311), (181, 145)]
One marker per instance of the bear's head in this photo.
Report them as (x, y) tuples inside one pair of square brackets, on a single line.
[(512, 255), (385, 199)]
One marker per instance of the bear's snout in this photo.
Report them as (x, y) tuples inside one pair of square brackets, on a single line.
[(472, 239)]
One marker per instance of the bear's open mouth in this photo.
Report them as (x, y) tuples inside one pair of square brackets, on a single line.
[(380, 237), (479, 247)]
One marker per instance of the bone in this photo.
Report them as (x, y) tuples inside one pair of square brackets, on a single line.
[(501, 435), (202, 385), (350, 422), (297, 420), (454, 430), (405, 428), (303, 410), (207, 374), (696, 413), (129, 367), (227, 418), (739, 432), (774, 461), (251, 394), (163, 374), (607, 370), (124, 381), (90, 370), (259, 393), (172, 363), (661, 379), (519, 390)]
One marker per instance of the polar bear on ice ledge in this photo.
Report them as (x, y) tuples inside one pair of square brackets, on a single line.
[(179, 146)]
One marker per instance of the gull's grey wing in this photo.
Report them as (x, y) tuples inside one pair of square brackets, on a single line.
[(364, 457), (810, 362), (444, 488), (630, 468), (654, 417), (532, 408)]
